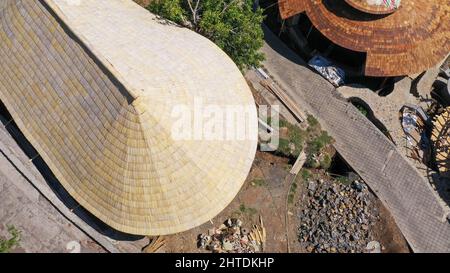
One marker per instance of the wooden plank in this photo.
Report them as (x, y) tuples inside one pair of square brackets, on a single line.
[(298, 165), (287, 101)]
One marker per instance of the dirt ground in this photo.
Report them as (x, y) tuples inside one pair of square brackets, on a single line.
[(388, 234), (265, 193), (269, 199), (255, 198)]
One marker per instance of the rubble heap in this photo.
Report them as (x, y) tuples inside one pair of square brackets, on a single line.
[(232, 237), (337, 217)]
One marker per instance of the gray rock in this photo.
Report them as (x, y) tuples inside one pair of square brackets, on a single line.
[(337, 218), (312, 186), (373, 247)]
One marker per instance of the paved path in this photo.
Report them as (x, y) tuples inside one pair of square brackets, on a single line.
[(42, 227), (402, 189)]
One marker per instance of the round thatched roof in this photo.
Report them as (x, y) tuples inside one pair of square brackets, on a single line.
[(96, 97), (410, 40)]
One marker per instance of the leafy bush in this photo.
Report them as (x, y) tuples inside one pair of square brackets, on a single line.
[(316, 144), (247, 210), (325, 163), (233, 25), (312, 121), (9, 244), (306, 174), (292, 192), (258, 182), (311, 162), (362, 110), (295, 138)]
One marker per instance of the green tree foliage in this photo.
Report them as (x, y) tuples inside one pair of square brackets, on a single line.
[(173, 10), (231, 24)]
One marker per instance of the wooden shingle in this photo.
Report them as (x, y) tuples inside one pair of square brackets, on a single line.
[(410, 40)]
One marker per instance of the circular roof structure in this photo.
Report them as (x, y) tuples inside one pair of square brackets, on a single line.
[(101, 94), (375, 6), (408, 41)]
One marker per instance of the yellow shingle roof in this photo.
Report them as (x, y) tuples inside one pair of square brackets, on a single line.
[(92, 85)]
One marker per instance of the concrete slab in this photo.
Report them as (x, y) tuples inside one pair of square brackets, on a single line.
[(43, 228)]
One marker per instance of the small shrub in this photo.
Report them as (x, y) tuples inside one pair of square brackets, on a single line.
[(283, 148), (292, 192), (362, 110), (247, 210), (306, 174), (258, 182), (311, 162), (296, 138), (325, 163), (312, 121), (315, 145), (294, 187), (9, 244), (291, 198)]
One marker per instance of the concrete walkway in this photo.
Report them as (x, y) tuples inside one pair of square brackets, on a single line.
[(43, 228), (402, 189)]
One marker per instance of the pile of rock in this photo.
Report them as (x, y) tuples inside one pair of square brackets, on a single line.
[(337, 217), (232, 237)]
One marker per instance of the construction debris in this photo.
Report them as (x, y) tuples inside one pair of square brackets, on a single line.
[(337, 218), (156, 243), (298, 165), (373, 247), (286, 100), (440, 137), (232, 237), (414, 123), (332, 73)]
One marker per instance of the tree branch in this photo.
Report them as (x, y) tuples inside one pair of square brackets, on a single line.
[(194, 10), (227, 6)]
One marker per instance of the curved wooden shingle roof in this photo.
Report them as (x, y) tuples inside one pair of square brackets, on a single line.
[(372, 6), (410, 40), (93, 85)]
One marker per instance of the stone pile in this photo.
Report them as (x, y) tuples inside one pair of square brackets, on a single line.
[(337, 218), (232, 237)]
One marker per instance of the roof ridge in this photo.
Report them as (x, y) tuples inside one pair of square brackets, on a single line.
[(59, 14)]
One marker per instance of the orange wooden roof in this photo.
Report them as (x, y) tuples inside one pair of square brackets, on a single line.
[(410, 40)]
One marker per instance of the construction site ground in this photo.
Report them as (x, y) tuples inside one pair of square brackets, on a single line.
[(265, 193), (269, 199)]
